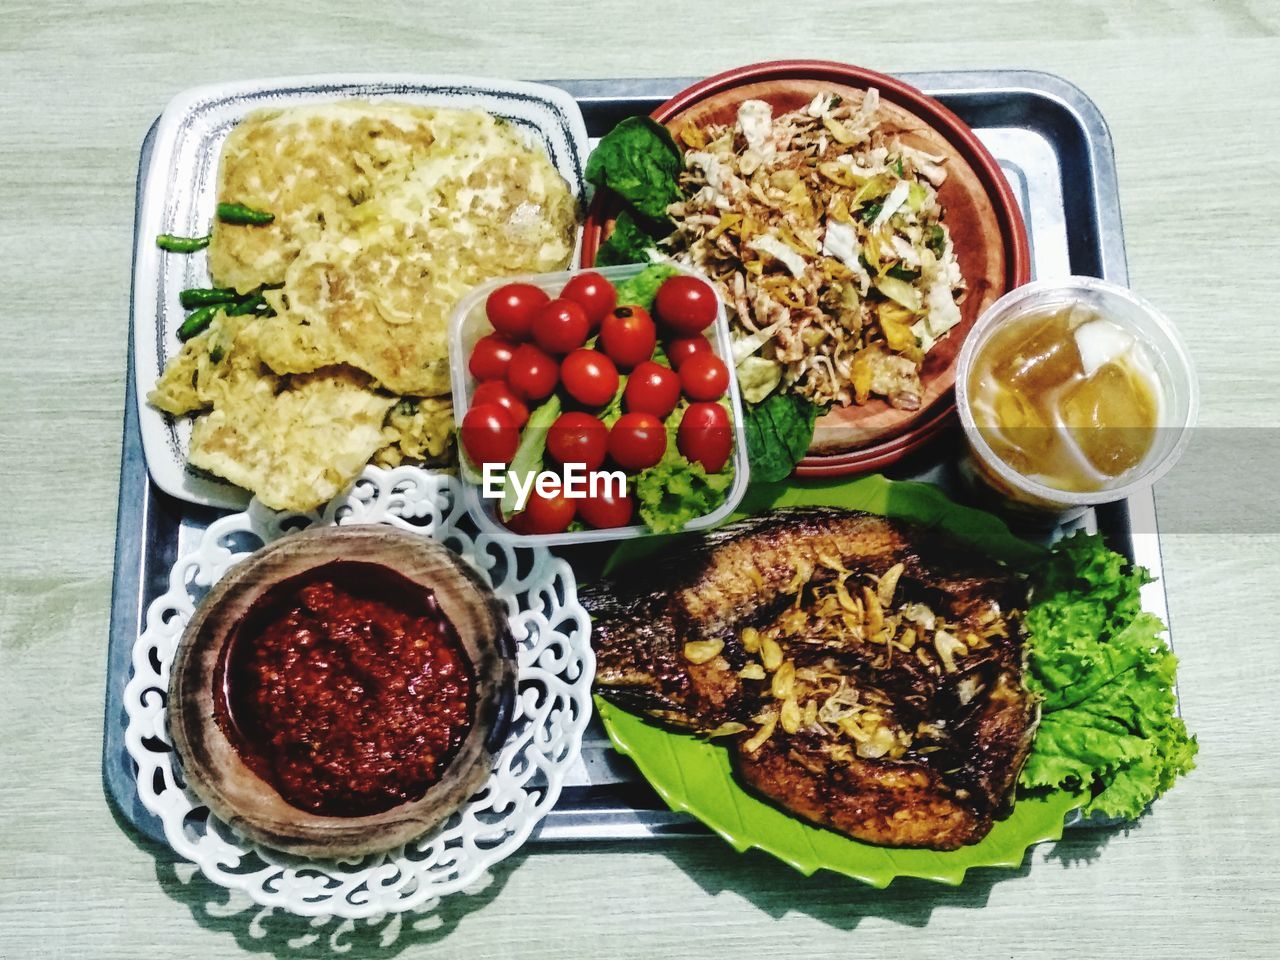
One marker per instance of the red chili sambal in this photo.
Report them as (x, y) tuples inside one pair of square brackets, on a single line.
[(347, 689)]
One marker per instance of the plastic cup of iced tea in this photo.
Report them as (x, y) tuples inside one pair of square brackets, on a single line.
[(1073, 393)]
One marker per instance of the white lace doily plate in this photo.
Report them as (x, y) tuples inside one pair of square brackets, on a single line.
[(556, 666)]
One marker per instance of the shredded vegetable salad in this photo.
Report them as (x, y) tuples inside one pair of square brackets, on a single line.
[(825, 235)]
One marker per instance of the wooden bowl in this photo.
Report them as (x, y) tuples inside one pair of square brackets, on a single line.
[(222, 779), (986, 228)]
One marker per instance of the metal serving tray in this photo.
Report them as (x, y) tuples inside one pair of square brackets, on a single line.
[(1055, 149)]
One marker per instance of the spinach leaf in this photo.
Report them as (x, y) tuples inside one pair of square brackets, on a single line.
[(779, 430), (640, 162)]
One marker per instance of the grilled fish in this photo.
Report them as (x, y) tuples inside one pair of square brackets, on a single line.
[(866, 673)]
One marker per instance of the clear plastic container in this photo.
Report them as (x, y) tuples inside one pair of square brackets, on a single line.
[(469, 323), (1164, 349)]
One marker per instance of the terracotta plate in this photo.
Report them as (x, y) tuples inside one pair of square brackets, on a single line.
[(986, 228)]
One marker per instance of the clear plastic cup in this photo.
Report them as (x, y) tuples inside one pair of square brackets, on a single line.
[(1163, 347)]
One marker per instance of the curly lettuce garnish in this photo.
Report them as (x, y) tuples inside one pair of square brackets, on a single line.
[(642, 289), (1106, 677), (675, 490)]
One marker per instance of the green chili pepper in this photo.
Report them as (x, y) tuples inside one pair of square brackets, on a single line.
[(167, 241), (899, 272), (250, 304), (898, 168), (197, 321), (238, 213), (194, 297), (872, 211)]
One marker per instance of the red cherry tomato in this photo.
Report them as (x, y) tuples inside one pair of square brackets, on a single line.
[(682, 348), (497, 391), (589, 377), (488, 435), (560, 326), (490, 357), (544, 514), (637, 441), (704, 435), (532, 374), (606, 510), (686, 304), (593, 293), (578, 437), (652, 388), (628, 335), (704, 376), (511, 307)]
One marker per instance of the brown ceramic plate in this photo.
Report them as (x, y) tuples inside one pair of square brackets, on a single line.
[(986, 228), (219, 775)]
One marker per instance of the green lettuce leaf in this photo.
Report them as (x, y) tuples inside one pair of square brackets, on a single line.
[(642, 289), (779, 431), (1106, 679), (628, 243), (531, 452), (639, 162), (675, 490)]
